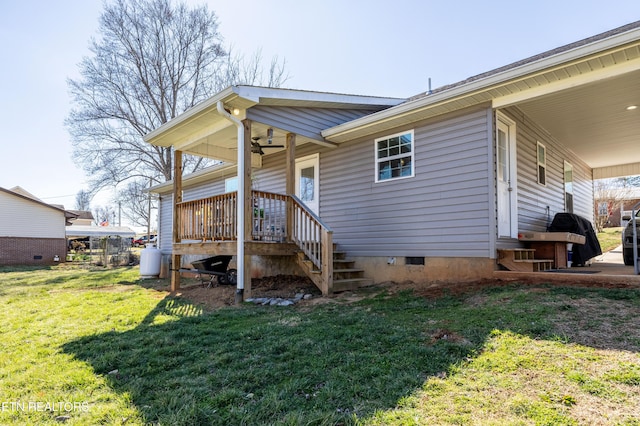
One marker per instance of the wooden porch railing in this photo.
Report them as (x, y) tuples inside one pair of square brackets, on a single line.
[(269, 217), (211, 218), (215, 218), (275, 218)]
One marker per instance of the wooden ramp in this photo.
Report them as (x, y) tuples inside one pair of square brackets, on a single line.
[(523, 260)]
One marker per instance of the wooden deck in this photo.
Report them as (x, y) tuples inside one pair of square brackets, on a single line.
[(255, 248), (279, 225)]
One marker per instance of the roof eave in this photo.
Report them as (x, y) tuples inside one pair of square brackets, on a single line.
[(248, 96), (42, 203), (343, 131), (195, 178), (154, 137)]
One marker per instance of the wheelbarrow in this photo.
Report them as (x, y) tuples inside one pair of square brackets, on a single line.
[(216, 266)]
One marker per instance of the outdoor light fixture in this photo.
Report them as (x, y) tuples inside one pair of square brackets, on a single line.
[(236, 111), (632, 107), (269, 135)]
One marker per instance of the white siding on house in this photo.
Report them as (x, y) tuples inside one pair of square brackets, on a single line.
[(203, 190), (21, 217)]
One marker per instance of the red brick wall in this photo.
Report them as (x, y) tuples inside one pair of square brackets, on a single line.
[(614, 219), (31, 251)]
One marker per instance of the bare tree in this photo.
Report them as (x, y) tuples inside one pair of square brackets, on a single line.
[(136, 203), (83, 200), (154, 59), (242, 70), (152, 62), (104, 215), (609, 195)]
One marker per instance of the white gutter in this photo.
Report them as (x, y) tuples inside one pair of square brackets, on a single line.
[(607, 46), (241, 206), (188, 114)]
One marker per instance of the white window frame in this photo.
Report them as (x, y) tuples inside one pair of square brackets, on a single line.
[(394, 157), (231, 184), (603, 208), (568, 187), (541, 164)]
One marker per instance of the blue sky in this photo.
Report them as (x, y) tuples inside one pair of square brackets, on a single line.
[(369, 47)]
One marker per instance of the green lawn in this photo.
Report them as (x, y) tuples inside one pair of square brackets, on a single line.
[(98, 347), (610, 238)]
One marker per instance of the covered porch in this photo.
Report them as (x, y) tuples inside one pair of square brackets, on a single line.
[(276, 225), (247, 222), (239, 127)]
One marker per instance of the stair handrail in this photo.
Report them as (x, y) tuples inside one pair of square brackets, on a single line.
[(315, 242), (310, 212)]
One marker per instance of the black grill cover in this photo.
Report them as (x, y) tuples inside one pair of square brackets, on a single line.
[(569, 222)]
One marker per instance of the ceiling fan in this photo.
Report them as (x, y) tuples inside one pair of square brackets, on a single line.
[(256, 148)]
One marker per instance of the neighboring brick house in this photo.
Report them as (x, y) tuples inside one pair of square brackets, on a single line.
[(614, 214), (619, 213), (32, 232)]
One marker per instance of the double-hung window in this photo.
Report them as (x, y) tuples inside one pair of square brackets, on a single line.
[(394, 156), (568, 187), (542, 164)]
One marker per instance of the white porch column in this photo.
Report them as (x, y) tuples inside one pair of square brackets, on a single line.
[(244, 207)]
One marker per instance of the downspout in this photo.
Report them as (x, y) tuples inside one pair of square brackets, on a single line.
[(241, 206)]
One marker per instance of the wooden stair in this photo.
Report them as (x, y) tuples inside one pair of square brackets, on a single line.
[(523, 260), (345, 275)]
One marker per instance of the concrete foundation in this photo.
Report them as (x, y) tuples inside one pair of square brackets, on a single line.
[(434, 270)]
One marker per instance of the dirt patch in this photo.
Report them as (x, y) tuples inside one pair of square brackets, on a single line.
[(591, 322), (287, 286), (217, 296), (447, 335)]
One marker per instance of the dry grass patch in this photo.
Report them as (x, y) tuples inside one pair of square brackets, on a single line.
[(139, 355)]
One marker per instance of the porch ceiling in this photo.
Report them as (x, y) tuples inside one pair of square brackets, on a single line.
[(202, 131), (593, 120), (219, 141)]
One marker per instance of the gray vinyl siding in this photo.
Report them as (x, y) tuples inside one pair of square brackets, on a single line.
[(534, 198), (165, 223), (214, 187), (165, 214), (446, 210), (308, 122), (443, 211), (272, 176)]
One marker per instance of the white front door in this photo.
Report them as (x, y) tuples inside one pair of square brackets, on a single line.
[(506, 177), (308, 181)]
